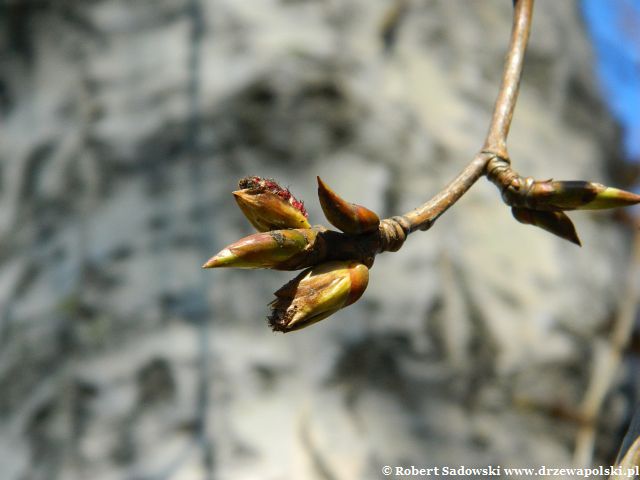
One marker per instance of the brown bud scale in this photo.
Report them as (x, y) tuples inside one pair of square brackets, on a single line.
[(349, 217), (554, 222)]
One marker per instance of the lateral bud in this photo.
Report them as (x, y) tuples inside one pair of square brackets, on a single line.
[(289, 249), (349, 217), (317, 293), (555, 222)]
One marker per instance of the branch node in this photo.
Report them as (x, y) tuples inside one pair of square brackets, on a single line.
[(500, 173), (393, 233)]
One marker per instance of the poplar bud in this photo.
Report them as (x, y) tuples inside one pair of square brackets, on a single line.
[(268, 206), (575, 195), (348, 217), (317, 293), (278, 249), (555, 222)]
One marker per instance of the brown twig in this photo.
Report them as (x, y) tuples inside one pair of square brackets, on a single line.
[(324, 245), (423, 217), (496, 141)]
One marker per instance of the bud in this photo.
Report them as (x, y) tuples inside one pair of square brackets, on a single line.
[(268, 211), (554, 222), (277, 249), (317, 293), (348, 217), (268, 206), (574, 195)]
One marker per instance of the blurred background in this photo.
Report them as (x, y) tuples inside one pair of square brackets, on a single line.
[(124, 127)]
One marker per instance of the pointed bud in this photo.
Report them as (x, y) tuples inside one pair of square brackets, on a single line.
[(317, 293), (557, 223), (268, 211), (277, 249), (577, 195), (348, 217), (268, 206)]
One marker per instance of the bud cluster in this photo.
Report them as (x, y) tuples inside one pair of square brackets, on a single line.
[(286, 241), (337, 263), (543, 203)]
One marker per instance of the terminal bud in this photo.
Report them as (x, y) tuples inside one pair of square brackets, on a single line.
[(574, 195)]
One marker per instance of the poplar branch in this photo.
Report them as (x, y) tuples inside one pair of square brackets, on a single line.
[(340, 261), (423, 217), (507, 96), (298, 248)]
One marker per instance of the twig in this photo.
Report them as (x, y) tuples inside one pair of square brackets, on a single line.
[(423, 217), (323, 245), (393, 231), (505, 104), (607, 360)]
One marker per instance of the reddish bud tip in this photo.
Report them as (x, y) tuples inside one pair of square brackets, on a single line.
[(261, 185), (267, 211)]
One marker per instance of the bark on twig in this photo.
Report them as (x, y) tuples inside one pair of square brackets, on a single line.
[(423, 217), (394, 231), (321, 245)]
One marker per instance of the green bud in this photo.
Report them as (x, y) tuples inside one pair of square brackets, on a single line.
[(348, 217), (316, 293), (609, 197), (572, 195), (277, 249), (554, 222)]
